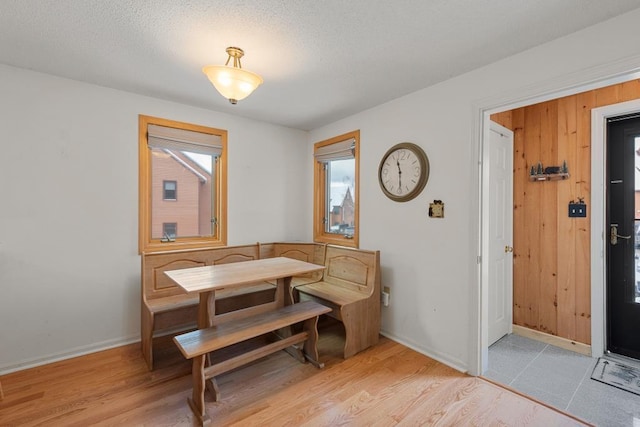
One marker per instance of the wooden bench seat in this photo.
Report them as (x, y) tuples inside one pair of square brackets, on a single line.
[(224, 299), (174, 302), (166, 308), (338, 295), (350, 285), (197, 344)]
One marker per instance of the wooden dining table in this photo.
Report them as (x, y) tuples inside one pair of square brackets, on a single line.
[(207, 280)]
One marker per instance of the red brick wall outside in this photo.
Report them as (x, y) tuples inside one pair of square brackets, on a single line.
[(191, 210)]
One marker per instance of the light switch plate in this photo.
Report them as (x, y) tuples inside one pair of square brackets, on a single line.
[(577, 210)]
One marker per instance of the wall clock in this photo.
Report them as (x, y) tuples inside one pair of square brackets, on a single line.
[(403, 172)]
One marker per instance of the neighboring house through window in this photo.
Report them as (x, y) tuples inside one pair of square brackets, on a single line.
[(336, 190)]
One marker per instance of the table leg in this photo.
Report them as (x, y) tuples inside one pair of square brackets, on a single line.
[(285, 298), (212, 386), (207, 309), (286, 289), (280, 297), (206, 318)]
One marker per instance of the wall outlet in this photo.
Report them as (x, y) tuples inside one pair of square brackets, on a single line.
[(386, 294)]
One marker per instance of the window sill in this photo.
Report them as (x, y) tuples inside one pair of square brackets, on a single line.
[(337, 240), (157, 246)]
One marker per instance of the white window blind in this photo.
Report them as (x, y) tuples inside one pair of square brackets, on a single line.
[(162, 137), (342, 150)]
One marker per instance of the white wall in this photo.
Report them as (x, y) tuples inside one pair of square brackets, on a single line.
[(431, 264), (69, 263)]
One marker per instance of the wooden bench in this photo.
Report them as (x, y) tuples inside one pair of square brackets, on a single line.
[(350, 285), (166, 308), (197, 344)]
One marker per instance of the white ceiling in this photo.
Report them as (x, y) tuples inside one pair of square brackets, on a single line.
[(321, 60)]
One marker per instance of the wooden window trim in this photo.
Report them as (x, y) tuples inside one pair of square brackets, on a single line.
[(320, 193), (145, 242)]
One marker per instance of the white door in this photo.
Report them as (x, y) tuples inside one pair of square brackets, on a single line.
[(500, 233)]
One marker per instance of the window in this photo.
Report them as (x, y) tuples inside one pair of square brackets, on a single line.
[(170, 190), (192, 157), (336, 190)]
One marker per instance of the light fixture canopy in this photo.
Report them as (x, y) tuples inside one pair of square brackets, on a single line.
[(233, 82)]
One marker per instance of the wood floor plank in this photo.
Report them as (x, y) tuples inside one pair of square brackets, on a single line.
[(383, 386)]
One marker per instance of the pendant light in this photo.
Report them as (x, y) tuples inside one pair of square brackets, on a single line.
[(233, 82)]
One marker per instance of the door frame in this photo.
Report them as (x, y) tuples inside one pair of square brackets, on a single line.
[(592, 78), (599, 218)]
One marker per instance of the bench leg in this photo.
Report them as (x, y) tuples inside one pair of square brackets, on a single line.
[(311, 344), (352, 342), (360, 331), (196, 401), (147, 336)]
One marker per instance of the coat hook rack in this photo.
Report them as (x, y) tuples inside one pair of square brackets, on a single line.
[(549, 173)]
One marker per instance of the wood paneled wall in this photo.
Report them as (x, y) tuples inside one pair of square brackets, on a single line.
[(551, 274)]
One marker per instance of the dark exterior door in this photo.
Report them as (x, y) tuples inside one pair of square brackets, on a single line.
[(623, 217)]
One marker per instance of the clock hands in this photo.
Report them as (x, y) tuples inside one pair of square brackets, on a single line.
[(399, 175)]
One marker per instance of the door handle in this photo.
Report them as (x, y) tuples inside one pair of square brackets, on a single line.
[(615, 236), (508, 249)]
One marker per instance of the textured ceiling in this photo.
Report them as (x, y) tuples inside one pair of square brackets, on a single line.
[(321, 60)]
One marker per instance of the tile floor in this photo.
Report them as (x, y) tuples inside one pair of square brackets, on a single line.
[(562, 379)]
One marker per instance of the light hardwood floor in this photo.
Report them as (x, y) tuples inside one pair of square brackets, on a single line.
[(384, 386)]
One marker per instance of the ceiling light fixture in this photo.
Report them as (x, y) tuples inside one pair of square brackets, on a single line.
[(233, 83)]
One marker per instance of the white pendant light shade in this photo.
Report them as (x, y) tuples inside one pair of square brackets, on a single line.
[(233, 82)]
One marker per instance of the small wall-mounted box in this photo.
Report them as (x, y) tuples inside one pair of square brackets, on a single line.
[(577, 210), (436, 209)]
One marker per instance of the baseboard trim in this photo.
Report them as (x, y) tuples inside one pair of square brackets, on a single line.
[(553, 340), (75, 352), (458, 365)]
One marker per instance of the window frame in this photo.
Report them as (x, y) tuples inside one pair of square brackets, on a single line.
[(145, 241), (320, 186)]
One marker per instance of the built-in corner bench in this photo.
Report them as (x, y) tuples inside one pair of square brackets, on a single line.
[(349, 285), (166, 308)]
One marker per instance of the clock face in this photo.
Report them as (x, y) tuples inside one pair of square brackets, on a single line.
[(403, 172)]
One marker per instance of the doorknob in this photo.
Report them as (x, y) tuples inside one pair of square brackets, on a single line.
[(508, 249), (615, 236)]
